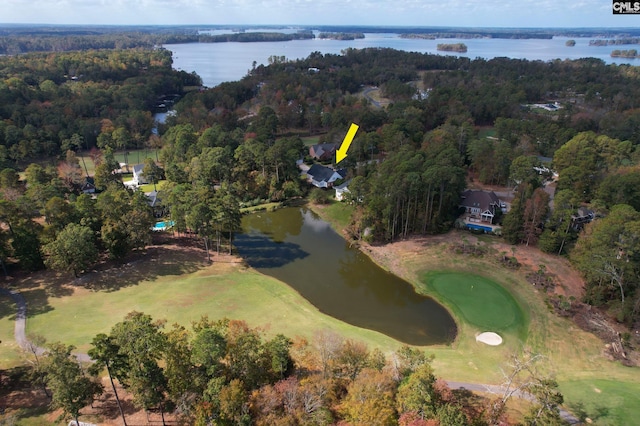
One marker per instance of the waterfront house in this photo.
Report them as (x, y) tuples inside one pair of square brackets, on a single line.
[(324, 177), (479, 205), (342, 190)]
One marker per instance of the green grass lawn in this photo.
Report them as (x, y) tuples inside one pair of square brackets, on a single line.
[(135, 156), (337, 213), (479, 301), (310, 140), (236, 293), (605, 402), (486, 132)]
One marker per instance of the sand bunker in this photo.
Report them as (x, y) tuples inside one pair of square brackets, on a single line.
[(489, 338)]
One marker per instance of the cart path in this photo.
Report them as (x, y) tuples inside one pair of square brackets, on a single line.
[(21, 339), (20, 326)]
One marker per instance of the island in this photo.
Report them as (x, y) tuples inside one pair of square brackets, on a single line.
[(615, 42), (452, 47), (340, 36), (251, 37), (570, 43), (631, 54)]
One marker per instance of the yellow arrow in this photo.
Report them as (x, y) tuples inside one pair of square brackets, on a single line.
[(341, 153)]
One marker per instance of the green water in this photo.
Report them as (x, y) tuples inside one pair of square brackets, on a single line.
[(295, 246)]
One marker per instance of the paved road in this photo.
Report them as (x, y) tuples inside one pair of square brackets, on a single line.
[(21, 339), (367, 94)]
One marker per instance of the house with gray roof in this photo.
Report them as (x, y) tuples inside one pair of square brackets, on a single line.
[(323, 151), (324, 177), (138, 176), (342, 190), (480, 205)]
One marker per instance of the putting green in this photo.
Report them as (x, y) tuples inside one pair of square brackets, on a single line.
[(479, 301)]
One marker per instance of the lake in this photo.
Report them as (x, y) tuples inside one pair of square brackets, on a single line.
[(220, 62), (298, 248)]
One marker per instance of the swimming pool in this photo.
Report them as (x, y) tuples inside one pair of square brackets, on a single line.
[(163, 226)]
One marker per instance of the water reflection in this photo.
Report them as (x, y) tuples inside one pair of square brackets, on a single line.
[(295, 246)]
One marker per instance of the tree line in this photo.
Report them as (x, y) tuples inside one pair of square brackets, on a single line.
[(226, 373)]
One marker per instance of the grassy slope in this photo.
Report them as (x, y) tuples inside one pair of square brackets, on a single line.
[(573, 356), (220, 290)]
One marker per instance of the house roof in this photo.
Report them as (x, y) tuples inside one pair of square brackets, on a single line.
[(137, 169), (480, 199), (323, 149), (321, 173), (88, 184), (343, 186), (153, 198)]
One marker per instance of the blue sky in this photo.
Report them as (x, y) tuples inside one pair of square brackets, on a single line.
[(466, 13)]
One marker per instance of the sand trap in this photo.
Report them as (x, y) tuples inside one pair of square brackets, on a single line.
[(489, 338)]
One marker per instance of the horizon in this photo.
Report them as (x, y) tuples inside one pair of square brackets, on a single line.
[(292, 26), (402, 13)]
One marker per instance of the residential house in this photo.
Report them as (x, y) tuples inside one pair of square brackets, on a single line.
[(323, 151), (138, 176), (155, 203), (481, 205), (324, 177), (342, 190), (88, 186), (581, 217)]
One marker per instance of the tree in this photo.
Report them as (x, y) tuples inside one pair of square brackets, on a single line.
[(59, 213), (35, 347), (608, 254), (105, 353), (127, 220), (105, 174), (73, 249), (246, 359), (152, 172), (229, 216), (200, 218), (419, 393), (141, 341), (546, 408), (183, 386), (234, 405), (26, 244), (369, 400), (71, 389), (351, 358), (281, 362), (535, 212), (522, 375)]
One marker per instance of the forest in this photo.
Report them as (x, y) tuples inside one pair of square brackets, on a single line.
[(237, 144)]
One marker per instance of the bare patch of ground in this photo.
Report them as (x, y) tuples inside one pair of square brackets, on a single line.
[(552, 275)]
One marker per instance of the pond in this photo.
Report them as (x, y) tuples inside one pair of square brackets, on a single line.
[(297, 247)]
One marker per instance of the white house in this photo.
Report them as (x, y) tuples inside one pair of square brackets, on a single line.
[(138, 177), (323, 177), (341, 190)]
